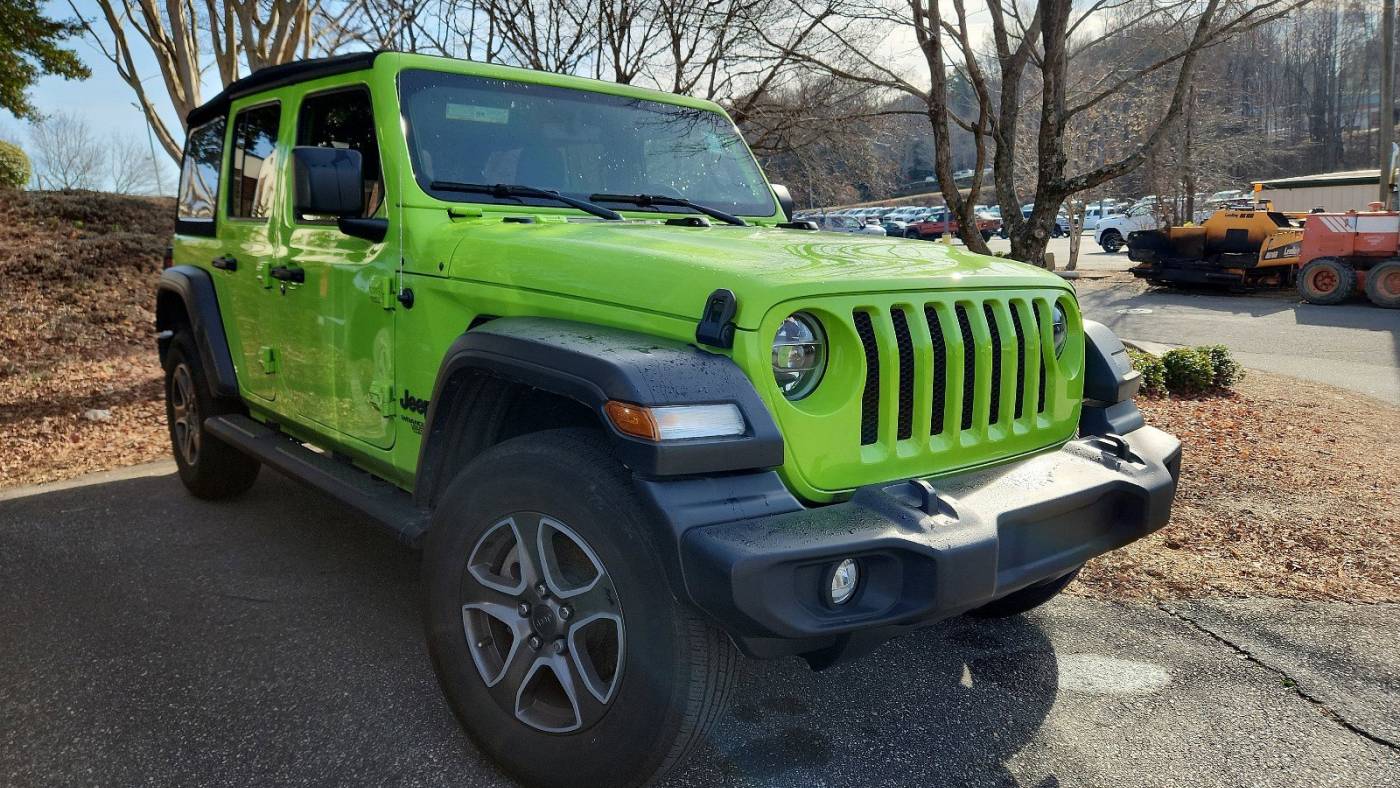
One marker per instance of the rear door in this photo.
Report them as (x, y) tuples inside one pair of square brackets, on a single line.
[(250, 243)]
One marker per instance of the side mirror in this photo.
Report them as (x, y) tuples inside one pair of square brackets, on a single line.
[(329, 181), (785, 200)]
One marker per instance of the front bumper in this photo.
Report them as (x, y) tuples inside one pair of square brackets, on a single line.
[(926, 551)]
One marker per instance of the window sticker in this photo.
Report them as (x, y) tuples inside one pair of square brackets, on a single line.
[(477, 114)]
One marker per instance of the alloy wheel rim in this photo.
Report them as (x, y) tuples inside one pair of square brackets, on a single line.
[(184, 408), (543, 623)]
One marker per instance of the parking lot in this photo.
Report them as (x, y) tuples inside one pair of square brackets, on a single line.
[(276, 640)]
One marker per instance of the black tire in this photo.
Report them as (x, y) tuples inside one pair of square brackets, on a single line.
[(671, 670), (986, 235), (209, 468), (1383, 284), (1029, 598), (1326, 281), (1111, 241), (914, 234)]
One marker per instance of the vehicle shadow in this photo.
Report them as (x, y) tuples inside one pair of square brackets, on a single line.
[(150, 637), (945, 706)]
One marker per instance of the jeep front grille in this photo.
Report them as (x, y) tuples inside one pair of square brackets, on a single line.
[(989, 386)]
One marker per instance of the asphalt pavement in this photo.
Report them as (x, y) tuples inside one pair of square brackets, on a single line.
[(147, 637)]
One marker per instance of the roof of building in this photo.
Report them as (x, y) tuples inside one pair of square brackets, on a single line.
[(1347, 178), (277, 76)]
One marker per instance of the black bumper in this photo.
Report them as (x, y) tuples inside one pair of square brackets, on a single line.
[(925, 552)]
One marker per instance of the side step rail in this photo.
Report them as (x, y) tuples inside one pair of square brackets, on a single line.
[(381, 501)]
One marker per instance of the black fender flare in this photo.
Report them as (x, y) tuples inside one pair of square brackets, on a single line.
[(591, 365), (193, 288)]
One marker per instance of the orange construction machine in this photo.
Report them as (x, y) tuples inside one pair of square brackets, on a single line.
[(1341, 253)]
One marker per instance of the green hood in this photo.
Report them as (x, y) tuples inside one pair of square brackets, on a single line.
[(670, 270)]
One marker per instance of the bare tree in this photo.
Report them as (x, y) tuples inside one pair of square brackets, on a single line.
[(65, 153), (132, 167), (185, 38), (1023, 81)]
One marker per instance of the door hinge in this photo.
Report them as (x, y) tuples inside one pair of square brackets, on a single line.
[(268, 357), (381, 397), (382, 292)]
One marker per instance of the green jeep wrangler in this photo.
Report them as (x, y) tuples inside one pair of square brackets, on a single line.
[(563, 335)]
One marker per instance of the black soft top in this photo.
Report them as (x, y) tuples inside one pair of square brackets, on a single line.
[(278, 76)]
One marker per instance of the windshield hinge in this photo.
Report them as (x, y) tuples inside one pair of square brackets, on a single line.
[(716, 326)]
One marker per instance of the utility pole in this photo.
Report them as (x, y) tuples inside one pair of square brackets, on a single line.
[(1387, 108)]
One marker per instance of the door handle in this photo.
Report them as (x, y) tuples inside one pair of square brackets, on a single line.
[(225, 263), (285, 274)]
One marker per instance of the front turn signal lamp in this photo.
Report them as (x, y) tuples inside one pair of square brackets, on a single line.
[(675, 422)]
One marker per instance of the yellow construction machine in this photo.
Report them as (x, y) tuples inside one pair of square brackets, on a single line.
[(1236, 246)]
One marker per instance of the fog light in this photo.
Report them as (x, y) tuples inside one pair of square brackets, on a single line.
[(843, 581)]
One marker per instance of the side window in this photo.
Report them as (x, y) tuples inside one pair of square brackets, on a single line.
[(345, 119), (199, 177), (253, 169)]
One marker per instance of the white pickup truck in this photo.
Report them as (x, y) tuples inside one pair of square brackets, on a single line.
[(1112, 232)]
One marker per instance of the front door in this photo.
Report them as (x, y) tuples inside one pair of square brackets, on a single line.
[(341, 373)]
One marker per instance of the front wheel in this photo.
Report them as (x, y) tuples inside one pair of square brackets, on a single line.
[(1111, 241), (551, 625), (1383, 284)]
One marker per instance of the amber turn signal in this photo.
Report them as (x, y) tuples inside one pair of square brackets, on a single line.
[(633, 420)]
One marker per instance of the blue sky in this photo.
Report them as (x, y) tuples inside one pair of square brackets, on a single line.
[(104, 100)]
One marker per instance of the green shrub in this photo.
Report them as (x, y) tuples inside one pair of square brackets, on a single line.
[(1189, 372), (14, 166), (1154, 375), (1225, 371)]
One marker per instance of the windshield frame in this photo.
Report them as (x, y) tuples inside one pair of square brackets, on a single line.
[(545, 205)]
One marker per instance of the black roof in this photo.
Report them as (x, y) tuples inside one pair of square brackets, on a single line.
[(277, 76)]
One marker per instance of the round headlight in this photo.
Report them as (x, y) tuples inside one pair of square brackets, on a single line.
[(1060, 327), (799, 355), (844, 580)]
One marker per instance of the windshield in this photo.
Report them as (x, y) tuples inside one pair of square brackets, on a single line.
[(480, 130)]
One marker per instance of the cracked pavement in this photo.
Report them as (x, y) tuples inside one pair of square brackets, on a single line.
[(148, 637)]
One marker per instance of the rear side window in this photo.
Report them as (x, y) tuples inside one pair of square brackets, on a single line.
[(345, 119), (199, 178), (253, 166)]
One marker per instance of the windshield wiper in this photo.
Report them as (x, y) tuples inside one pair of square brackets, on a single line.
[(503, 191), (651, 200)]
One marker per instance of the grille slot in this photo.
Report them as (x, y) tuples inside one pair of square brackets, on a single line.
[(994, 412), (870, 398), (906, 373), (1040, 382), (969, 366), (1020, 362), (940, 371)]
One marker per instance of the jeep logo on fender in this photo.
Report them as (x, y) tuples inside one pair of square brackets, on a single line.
[(411, 403)]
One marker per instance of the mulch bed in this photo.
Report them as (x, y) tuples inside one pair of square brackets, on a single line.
[(1288, 489)]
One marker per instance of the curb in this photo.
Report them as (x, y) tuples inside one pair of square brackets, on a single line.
[(158, 468)]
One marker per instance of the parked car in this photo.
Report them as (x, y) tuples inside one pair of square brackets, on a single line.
[(894, 227), (933, 225), (395, 279), (837, 223), (1097, 212), (1112, 233)]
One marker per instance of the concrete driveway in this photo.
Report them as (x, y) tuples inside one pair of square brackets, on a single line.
[(148, 637)]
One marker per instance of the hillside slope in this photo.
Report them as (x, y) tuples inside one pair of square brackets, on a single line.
[(77, 332)]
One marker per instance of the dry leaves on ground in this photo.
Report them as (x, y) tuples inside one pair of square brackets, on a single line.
[(1288, 489)]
